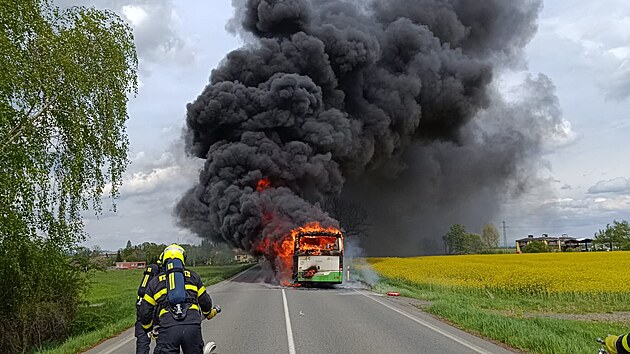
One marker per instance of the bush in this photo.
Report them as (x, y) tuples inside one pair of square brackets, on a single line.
[(41, 292), (536, 247)]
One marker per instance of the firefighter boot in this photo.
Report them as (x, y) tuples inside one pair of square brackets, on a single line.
[(209, 348)]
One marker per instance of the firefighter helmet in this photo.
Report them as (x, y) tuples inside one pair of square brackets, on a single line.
[(174, 251)]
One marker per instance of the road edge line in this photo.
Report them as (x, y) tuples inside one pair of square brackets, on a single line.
[(124, 342), (287, 320), (430, 326)]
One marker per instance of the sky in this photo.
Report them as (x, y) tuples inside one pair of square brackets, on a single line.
[(583, 48)]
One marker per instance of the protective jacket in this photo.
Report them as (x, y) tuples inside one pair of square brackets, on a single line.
[(623, 344), (149, 272), (155, 301), (143, 342)]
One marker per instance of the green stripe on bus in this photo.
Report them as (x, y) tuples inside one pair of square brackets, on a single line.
[(327, 277)]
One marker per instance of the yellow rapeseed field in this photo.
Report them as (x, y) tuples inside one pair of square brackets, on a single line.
[(542, 273)]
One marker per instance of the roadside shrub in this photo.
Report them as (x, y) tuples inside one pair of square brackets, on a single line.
[(41, 292), (536, 247)]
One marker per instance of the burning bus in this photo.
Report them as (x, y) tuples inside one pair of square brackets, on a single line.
[(309, 254), (318, 255)]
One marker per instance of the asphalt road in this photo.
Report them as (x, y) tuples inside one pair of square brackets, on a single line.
[(258, 317)]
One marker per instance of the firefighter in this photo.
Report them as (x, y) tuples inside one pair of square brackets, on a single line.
[(179, 302), (618, 344), (143, 342)]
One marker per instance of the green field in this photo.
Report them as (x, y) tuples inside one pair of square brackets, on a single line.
[(109, 306)]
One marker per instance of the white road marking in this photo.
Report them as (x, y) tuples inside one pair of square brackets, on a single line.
[(430, 326), (114, 348), (288, 322)]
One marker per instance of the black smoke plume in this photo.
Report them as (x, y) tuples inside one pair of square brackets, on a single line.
[(350, 99)]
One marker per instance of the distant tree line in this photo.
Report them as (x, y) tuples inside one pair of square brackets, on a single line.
[(206, 253), (460, 241), (615, 236)]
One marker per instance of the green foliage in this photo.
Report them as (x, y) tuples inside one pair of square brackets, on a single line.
[(64, 86), (536, 247), (473, 243), (490, 236), (86, 259), (40, 294), (454, 238), (206, 253), (459, 241), (615, 236), (147, 251)]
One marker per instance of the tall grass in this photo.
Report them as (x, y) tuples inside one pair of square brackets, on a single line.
[(109, 306)]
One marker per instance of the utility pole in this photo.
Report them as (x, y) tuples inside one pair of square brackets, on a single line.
[(504, 236)]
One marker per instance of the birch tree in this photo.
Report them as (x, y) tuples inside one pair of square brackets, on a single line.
[(64, 86)]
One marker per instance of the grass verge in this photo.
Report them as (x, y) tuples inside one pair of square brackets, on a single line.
[(109, 306)]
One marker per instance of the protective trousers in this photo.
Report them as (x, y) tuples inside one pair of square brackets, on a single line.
[(186, 336), (143, 342)]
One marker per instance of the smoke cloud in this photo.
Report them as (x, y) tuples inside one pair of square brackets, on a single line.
[(390, 104)]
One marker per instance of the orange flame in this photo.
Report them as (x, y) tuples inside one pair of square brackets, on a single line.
[(315, 228), (263, 184), (314, 240)]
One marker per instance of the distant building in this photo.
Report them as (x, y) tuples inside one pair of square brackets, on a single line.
[(243, 258), (557, 244), (131, 265)]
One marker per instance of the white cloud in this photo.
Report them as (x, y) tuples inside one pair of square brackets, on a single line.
[(615, 185), (619, 203), (601, 29), (135, 14), (146, 182), (157, 30), (150, 189)]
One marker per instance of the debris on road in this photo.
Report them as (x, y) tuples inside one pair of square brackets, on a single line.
[(393, 293)]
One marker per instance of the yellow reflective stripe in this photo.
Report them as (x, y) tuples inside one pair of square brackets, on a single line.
[(162, 277), (159, 294), (191, 287), (187, 273), (192, 307), (171, 277), (149, 299), (624, 342), (145, 280), (148, 325), (201, 291)]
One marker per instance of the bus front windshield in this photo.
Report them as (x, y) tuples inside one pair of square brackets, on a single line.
[(317, 244)]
